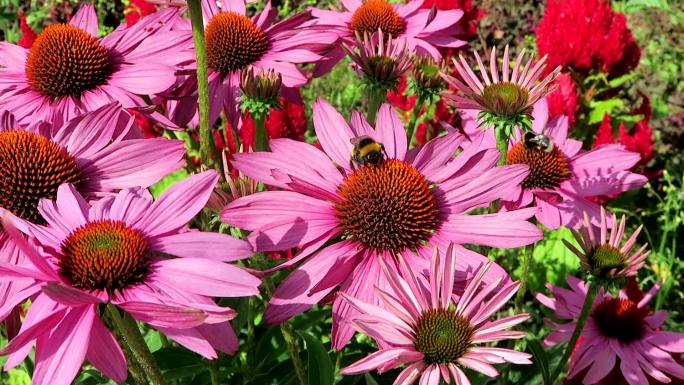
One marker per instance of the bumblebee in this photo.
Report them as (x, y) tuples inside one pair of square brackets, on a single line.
[(366, 152), (537, 141)]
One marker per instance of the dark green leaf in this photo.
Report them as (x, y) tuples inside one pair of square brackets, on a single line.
[(370, 380), (540, 360), (320, 366)]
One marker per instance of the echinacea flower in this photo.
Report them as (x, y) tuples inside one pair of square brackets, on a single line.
[(381, 60), (563, 176), (69, 70), (345, 217), (236, 42), (93, 152), (132, 252), (435, 335), (423, 31), (508, 94), (620, 331), (601, 254)]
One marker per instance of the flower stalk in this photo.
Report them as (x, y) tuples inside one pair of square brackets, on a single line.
[(592, 290), (206, 140), (502, 137), (413, 121), (130, 333)]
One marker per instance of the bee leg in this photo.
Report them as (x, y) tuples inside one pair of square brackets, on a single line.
[(385, 152), (351, 165)]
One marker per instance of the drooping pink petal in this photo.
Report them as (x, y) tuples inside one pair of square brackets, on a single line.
[(105, 353)]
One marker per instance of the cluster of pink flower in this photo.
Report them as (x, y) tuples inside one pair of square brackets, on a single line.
[(377, 226)]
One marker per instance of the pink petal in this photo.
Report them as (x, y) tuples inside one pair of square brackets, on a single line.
[(105, 354), (506, 229), (390, 132), (60, 357), (380, 358), (206, 277), (86, 19), (191, 339), (333, 133), (194, 244), (179, 204), (294, 295), (163, 315), (431, 375), (132, 163)]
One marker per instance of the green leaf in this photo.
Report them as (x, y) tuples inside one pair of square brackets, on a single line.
[(158, 188), (541, 360), (320, 366), (601, 107), (370, 380), (617, 82), (552, 260)]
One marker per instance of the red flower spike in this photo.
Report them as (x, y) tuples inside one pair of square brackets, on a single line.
[(586, 35)]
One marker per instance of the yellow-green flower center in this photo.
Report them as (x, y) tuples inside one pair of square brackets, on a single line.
[(443, 336)]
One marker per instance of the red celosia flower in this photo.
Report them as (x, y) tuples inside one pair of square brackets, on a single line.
[(287, 122), (640, 139), (399, 99), (28, 35), (138, 9), (564, 100), (586, 35)]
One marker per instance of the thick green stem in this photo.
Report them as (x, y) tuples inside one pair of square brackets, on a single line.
[(524, 278), (376, 97), (413, 121), (131, 336), (501, 144), (586, 308), (206, 139), (260, 133)]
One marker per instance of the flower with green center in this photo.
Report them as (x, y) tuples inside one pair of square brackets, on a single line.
[(425, 80), (434, 335), (503, 99), (600, 252)]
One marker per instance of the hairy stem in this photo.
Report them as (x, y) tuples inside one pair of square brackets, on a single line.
[(376, 97), (206, 140), (586, 308), (130, 333), (501, 144), (413, 122), (260, 133)]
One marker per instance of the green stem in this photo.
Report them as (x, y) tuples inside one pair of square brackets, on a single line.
[(526, 265), (592, 290), (206, 140), (376, 96), (413, 122), (501, 144), (260, 133), (131, 336)]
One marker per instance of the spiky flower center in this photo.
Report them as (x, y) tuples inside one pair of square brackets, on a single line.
[(388, 207), (31, 168), (234, 42), (506, 99), (374, 15), (605, 258), (620, 318), (443, 336), (547, 169), (67, 61), (105, 255)]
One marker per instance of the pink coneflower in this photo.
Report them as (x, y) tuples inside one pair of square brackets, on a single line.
[(132, 252), (435, 335), (364, 213), (235, 42), (620, 331), (69, 70), (600, 253), (504, 94), (423, 31), (380, 59), (92, 152), (563, 175)]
